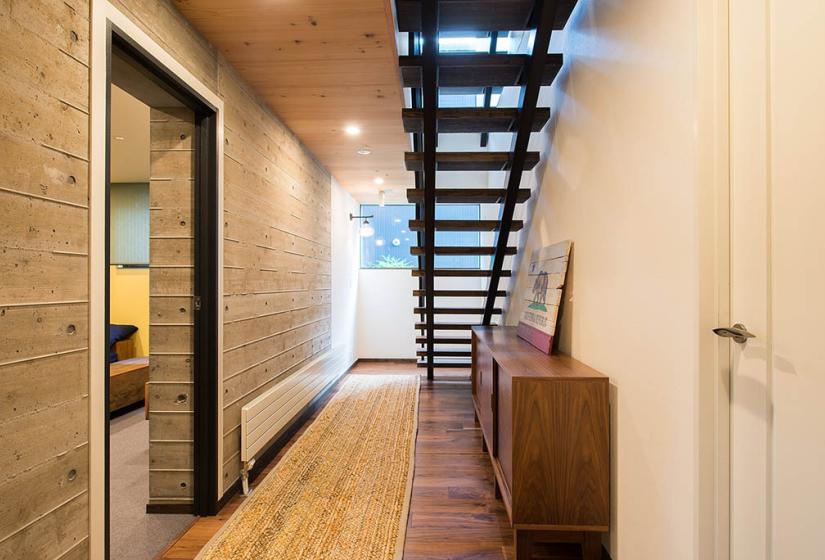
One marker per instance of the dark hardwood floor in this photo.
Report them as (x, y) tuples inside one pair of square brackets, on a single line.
[(454, 514)]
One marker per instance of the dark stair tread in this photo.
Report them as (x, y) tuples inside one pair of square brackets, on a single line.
[(446, 353), (460, 272), (483, 15), (446, 326), (473, 119), (455, 311), (465, 225), (479, 196), (470, 161), (463, 251), (459, 293), (478, 70), (444, 340), (437, 365)]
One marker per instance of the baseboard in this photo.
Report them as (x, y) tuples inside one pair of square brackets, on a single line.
[(170, 508), (385, 360), (280, 439)]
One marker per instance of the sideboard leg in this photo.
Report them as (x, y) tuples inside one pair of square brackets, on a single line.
[(496, 489), (483, 444), (592, 546), (524, 545)]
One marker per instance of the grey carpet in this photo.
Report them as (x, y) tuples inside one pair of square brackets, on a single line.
[(135, 535)]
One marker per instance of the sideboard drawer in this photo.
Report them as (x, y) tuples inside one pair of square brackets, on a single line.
[(483, 371), (504, 428)]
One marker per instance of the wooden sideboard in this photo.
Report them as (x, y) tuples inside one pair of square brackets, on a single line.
[(545, 422)]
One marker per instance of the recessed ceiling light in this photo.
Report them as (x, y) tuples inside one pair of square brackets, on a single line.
[(119, 138), (364, 151), (378, 181), (352, 130)]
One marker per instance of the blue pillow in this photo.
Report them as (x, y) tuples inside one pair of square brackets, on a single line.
[(116, 334)]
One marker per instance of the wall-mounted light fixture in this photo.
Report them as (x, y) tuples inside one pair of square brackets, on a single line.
[(382, 198), (366, 229)]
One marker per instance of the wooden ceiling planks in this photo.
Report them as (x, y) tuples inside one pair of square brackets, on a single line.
[(320, 66)]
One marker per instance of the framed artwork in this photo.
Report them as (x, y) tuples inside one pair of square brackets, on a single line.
[(547, 274)]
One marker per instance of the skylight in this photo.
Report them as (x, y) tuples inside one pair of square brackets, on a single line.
[(463, 44), (467, 97), (469, 42)]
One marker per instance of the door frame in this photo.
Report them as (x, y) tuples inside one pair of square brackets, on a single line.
[(205, 269), (110, 28), (712, 503)]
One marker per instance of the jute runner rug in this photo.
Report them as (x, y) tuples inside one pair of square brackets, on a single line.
[(342, 491)]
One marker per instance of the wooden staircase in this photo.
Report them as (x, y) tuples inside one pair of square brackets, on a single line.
[(472, 119), (479, 70), (467, 196), (471, 161), (464, 225), (426, 70), (494, 15)]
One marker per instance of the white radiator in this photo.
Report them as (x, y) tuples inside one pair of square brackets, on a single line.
[(265, 416)]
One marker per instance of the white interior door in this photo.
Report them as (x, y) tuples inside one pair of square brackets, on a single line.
[(777, 127)]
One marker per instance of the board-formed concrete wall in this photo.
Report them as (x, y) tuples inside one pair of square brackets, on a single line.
[(44, 314), (277, 259), (171, 287)]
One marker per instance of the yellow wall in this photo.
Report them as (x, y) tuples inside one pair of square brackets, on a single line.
[(129, 303)]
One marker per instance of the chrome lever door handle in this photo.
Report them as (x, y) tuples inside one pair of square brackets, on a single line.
[(737, 332)]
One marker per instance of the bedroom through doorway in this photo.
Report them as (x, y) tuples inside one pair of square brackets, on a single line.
[(160, 310), (150, 338)]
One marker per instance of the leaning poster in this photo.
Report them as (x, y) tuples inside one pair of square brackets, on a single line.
[(547, 273)]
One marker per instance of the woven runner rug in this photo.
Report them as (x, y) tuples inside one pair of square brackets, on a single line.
[(342, 491)]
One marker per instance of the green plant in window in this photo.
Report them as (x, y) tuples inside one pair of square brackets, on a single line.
[(388, 261)]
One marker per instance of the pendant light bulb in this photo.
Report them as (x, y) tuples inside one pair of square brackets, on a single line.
[(366, 229)]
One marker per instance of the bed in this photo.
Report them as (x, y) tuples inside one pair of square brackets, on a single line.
[(128, 374)]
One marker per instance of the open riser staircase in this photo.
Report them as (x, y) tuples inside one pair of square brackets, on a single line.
[(451, 301)]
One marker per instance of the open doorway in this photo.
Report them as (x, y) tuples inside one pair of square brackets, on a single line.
[(160, 305)]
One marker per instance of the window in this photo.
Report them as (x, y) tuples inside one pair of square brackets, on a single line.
[(463, 42), (467, 97), (389, 246), (480, 42), (129, 227), (457, 238), (466, 42)]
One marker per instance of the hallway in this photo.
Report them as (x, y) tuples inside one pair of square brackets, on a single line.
[(403, 267), (454, 513)]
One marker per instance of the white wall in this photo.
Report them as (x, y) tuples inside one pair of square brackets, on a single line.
[(345, 252), (386, 324), (621, 182)]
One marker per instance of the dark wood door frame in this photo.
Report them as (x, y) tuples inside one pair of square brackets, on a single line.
[(205, 304)]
